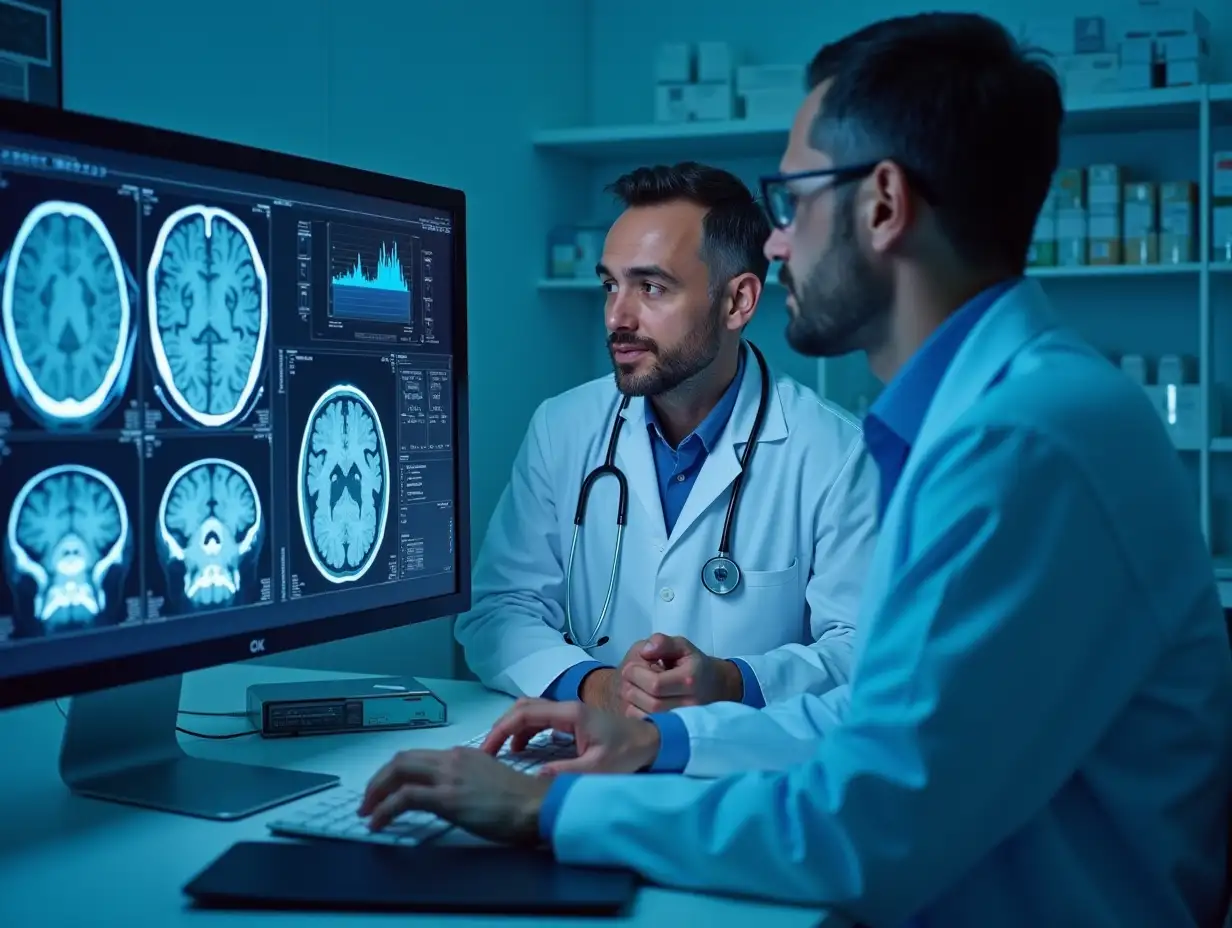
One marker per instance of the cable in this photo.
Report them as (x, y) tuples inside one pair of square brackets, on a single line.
[(199, 734)]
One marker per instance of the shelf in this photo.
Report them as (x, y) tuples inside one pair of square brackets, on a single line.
[(667, 142), (1131, 111), (1221, 445), (1113, 270)]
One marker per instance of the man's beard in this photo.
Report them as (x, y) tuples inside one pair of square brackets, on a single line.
[(675, 366), (842, 300)]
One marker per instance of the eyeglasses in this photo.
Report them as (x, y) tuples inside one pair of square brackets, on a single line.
[(781, 198)]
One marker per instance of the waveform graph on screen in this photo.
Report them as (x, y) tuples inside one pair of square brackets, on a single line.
[(372, 274)]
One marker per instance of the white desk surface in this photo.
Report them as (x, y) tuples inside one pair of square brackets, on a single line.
[(69, 862)]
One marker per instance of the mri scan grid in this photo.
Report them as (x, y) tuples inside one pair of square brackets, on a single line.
[(68, 302), (208, 314), (343, 406), (210, 506), (69, 539)]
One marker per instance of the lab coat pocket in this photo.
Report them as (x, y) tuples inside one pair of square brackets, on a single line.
[(765, 611)]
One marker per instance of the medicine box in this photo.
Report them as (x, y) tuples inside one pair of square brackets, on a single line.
[(773, 104), (1140, 224), (671, 102), (1086, 74), (674, 63), (1070, 195), (1185, 73), (710, 102), (1178, 207), (1140, 51), (714, 63), (1221, 207), (1043, 249), (1103, 214), (754, 77)]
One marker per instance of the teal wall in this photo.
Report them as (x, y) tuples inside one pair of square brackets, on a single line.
[(439, 91)]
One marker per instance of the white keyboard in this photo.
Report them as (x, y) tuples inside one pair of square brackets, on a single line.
[(331, 814)]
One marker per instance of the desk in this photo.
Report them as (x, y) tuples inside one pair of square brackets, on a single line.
[(67, 862)]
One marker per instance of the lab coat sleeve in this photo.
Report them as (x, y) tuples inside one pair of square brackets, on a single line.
[(844, 539), (998, 659), (512, 636)]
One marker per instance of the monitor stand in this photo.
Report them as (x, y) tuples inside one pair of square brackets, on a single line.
[(120, 745)]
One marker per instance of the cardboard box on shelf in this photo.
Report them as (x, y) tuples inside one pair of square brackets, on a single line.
[(1140, 76), (714, 63), (1140, 224), (1103, 214), (754, 77), (1043, 249), (1139, 51), (1178, 202), (674, 63), (671, 103), (1221, 207), (1185, 73), (710, 102), (773, 105)]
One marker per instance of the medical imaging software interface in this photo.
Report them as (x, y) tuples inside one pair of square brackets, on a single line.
[(220, 394)]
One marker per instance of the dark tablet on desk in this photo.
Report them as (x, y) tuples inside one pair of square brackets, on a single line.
[(348, 876)]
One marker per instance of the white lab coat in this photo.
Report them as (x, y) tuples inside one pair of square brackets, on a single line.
[(803, 534), (1037, 730)]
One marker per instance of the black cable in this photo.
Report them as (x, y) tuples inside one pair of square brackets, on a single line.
[(199, 734)]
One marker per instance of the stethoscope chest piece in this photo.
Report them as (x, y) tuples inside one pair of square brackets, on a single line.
[(720, 575)]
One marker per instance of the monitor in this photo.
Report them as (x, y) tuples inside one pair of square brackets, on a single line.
[(233, 422)]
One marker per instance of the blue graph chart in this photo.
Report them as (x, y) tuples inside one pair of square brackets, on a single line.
[(371, 274)]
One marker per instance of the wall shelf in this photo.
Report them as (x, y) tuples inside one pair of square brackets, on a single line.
[(1078, 272), (1131, 111)]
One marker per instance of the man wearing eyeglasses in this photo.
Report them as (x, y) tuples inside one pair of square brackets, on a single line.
[(1039, 723)]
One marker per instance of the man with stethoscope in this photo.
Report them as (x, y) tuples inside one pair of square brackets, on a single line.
[(694, 530)]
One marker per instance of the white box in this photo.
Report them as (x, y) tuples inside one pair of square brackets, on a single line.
[(672, 103), (1184, 47), (714, 63), (1139, 51), (1136, 77), (674, 63), (1134, 366), (775, 105), (1185, 73), (752, 77), (710, 102), (1165, 21)]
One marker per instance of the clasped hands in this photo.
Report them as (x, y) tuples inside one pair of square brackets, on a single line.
[(471, 789), (659, 674)]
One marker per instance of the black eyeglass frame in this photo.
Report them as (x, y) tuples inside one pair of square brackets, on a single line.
[(844, 174)]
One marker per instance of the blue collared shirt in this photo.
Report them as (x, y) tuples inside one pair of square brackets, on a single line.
[(890, 430), (677, 469)]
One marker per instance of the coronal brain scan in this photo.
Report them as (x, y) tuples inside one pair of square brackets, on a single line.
[(210, 528), (208, 298), (67, 315), (343, 484), (67, 530)]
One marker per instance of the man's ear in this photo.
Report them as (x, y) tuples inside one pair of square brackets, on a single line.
[(743, 295)]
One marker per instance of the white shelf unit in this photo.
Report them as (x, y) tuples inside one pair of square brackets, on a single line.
[(1202, 110)]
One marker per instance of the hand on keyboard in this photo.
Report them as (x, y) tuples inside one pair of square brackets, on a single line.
[(334, 814), (605, 742)]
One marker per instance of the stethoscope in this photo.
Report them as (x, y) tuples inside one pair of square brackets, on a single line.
[(720, 574)]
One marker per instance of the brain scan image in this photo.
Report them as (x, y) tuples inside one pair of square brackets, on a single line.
[(208, 306), (67, 531), (67, 309), (343, 484), (210, 530)]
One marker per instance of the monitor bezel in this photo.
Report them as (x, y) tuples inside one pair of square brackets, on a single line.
[(71, 678)]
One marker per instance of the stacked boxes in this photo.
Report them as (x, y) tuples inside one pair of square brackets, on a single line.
[(693, 82), (1043, 250), (1141, 224), (1070, 197), (1104, 214), (770, 92), (1178, 209), (1221, 207)]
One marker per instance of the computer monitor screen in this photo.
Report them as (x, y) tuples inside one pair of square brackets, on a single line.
[(232, 415)]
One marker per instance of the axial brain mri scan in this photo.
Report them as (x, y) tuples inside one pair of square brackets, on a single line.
[(208, 297), (67, 530), (67, 312), (210, 530), (343, 484)]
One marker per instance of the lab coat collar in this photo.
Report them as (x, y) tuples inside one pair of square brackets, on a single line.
[(1020, 316), (721, 465)]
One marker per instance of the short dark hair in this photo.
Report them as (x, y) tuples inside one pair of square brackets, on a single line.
[(970, 115), (734, 229)]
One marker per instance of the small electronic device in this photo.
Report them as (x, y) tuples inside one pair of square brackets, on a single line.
[(332, 707)]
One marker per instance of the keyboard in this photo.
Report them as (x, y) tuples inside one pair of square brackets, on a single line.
[(331, 814)]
